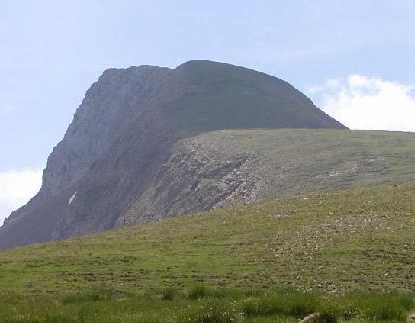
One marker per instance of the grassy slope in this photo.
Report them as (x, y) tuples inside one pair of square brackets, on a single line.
[(296, 160), (221, 167), (347, 241)]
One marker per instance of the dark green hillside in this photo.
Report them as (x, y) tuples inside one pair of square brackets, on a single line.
[(329, 244)]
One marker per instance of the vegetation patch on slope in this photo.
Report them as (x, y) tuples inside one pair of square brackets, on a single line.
[(326, 249), (213, 305), (225, 167)]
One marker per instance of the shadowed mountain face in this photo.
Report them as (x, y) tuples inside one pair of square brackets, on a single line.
[(127, 128)]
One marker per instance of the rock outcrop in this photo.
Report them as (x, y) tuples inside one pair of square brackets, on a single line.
[(127, 128), (227, 167)]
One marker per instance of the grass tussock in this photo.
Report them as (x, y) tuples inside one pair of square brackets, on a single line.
[(168, 294), (383, 307), (175, 306), (297, 305), (197, 292), (212, 312)]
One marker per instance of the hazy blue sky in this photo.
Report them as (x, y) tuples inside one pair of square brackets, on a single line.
[(355, 58)]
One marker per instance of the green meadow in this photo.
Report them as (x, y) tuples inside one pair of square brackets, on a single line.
[(348, 255)]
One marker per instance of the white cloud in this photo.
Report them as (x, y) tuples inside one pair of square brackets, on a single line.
[(16, 188), (362, 102)]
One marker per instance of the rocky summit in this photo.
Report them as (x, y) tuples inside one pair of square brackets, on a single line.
[(133, 151)]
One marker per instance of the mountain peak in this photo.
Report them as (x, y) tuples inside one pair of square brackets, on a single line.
[(127, 128)]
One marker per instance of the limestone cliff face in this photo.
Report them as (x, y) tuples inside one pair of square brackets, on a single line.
[(222, 168), (126, 129), (111, 105)]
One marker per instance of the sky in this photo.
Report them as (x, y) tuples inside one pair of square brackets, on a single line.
[(354, 58)]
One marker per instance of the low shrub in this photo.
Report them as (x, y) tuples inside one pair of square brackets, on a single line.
[(197, 292), (168, 294), (292, 304), (210, 313), (384, 307)]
